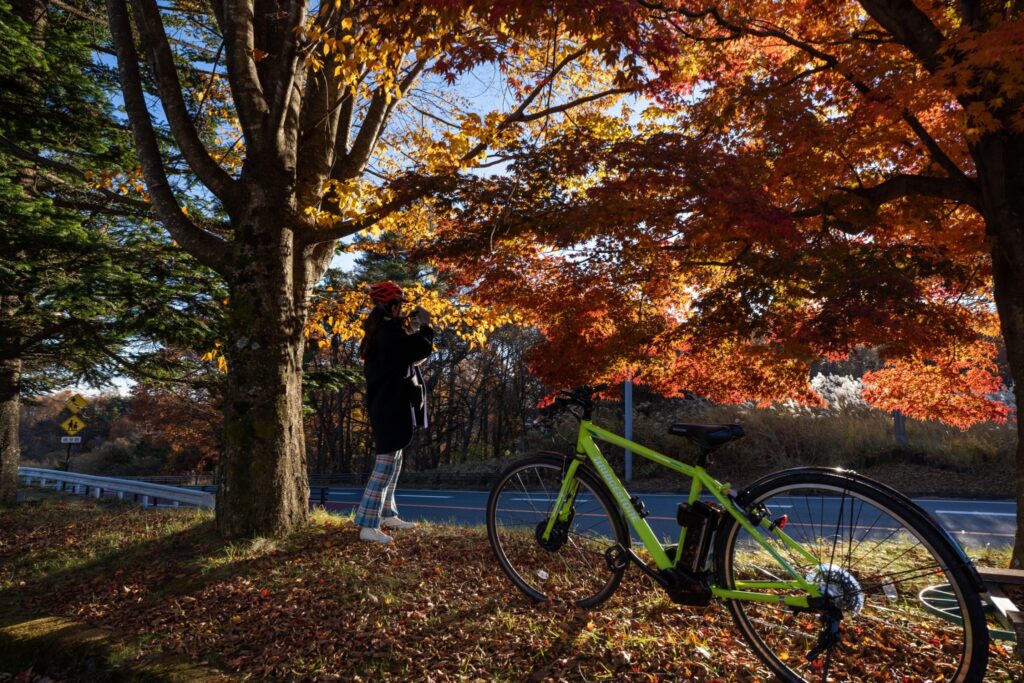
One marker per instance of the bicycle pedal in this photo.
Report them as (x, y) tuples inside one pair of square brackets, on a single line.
[(617, 558)]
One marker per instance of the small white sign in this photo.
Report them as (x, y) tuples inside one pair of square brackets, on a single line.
[(71, 439)]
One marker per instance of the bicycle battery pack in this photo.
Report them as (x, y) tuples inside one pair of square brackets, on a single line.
[(701, 521)]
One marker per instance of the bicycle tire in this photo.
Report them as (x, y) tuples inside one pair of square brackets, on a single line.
[(888, 550), (575, 571)]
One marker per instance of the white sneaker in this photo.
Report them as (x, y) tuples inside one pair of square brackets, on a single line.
[(367, 533), (396, 523)]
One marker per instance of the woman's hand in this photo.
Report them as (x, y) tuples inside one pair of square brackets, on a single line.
[(422, 314)]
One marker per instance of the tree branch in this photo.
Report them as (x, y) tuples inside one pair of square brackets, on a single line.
[(235, 18), (371, 127), (910, 26), (64, 167), (830, 62), (210, 173), (92, 18), (906, 185), (344, 229), (573, 103), (207, 248), (288, 66), (25, 345), (517, 115)]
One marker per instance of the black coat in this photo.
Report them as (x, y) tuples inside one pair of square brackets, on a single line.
[(396, 396)]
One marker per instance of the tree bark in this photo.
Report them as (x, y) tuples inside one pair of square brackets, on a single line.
[(264, 487), (1000, 164), (10, 451)]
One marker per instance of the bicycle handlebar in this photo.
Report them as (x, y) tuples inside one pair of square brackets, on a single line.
[(582, 397)]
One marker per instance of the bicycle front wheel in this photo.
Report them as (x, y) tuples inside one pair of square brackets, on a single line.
[(570, 566), (870, 552)]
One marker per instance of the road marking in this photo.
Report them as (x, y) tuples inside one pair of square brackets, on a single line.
[(922, 501), (979, 514), (538, 499), (416, 495)]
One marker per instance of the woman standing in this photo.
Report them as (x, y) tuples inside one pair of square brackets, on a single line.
[(393, 347)]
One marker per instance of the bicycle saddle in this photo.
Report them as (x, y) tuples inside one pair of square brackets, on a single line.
[(707, 436)]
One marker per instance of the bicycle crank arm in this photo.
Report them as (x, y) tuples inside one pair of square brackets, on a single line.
[(617, 557)]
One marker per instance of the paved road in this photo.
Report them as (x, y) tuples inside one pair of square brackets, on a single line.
[(972, 522)]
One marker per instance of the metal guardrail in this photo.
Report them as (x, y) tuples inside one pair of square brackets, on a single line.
[(436, 479), (199, 490), (146, 493)]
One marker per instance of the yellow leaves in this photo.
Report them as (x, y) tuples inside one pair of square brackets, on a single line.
[(346, 24), (313, 62), (341, 315), (215, 356)]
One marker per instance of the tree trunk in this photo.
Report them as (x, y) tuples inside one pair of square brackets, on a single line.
[(1000, 164), (264, 486), (1010, 304), (10, 451)]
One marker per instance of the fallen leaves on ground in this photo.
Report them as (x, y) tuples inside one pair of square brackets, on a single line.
[(320, 605)]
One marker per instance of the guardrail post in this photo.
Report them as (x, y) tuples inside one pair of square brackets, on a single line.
[(97, 492), (145, 501), (42, 483), (323, 496), (120, 495)]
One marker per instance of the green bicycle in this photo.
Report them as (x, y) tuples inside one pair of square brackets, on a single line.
[(819, 568)]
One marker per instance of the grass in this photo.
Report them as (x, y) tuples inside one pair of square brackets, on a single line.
[(320, 605)]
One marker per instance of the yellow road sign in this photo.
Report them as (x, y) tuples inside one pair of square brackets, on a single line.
[(76, 403), (72, 425)]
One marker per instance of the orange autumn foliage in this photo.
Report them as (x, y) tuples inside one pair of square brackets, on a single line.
[(954, 387), (183, 419), (799, 183)]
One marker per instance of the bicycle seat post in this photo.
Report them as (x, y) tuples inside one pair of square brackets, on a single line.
[(704, 459)]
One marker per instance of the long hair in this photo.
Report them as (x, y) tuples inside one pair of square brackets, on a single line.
[(370, 325)]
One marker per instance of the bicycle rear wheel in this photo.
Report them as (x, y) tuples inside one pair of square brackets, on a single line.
[(873, 552), (570, 566)]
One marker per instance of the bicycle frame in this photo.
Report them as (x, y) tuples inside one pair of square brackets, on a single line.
[(586, 449)]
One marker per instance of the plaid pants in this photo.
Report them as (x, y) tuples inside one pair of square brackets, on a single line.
[(379, 496)]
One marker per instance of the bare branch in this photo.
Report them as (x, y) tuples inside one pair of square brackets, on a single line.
[(288, 67), (208, 249), (151, 28), (235, 18)]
